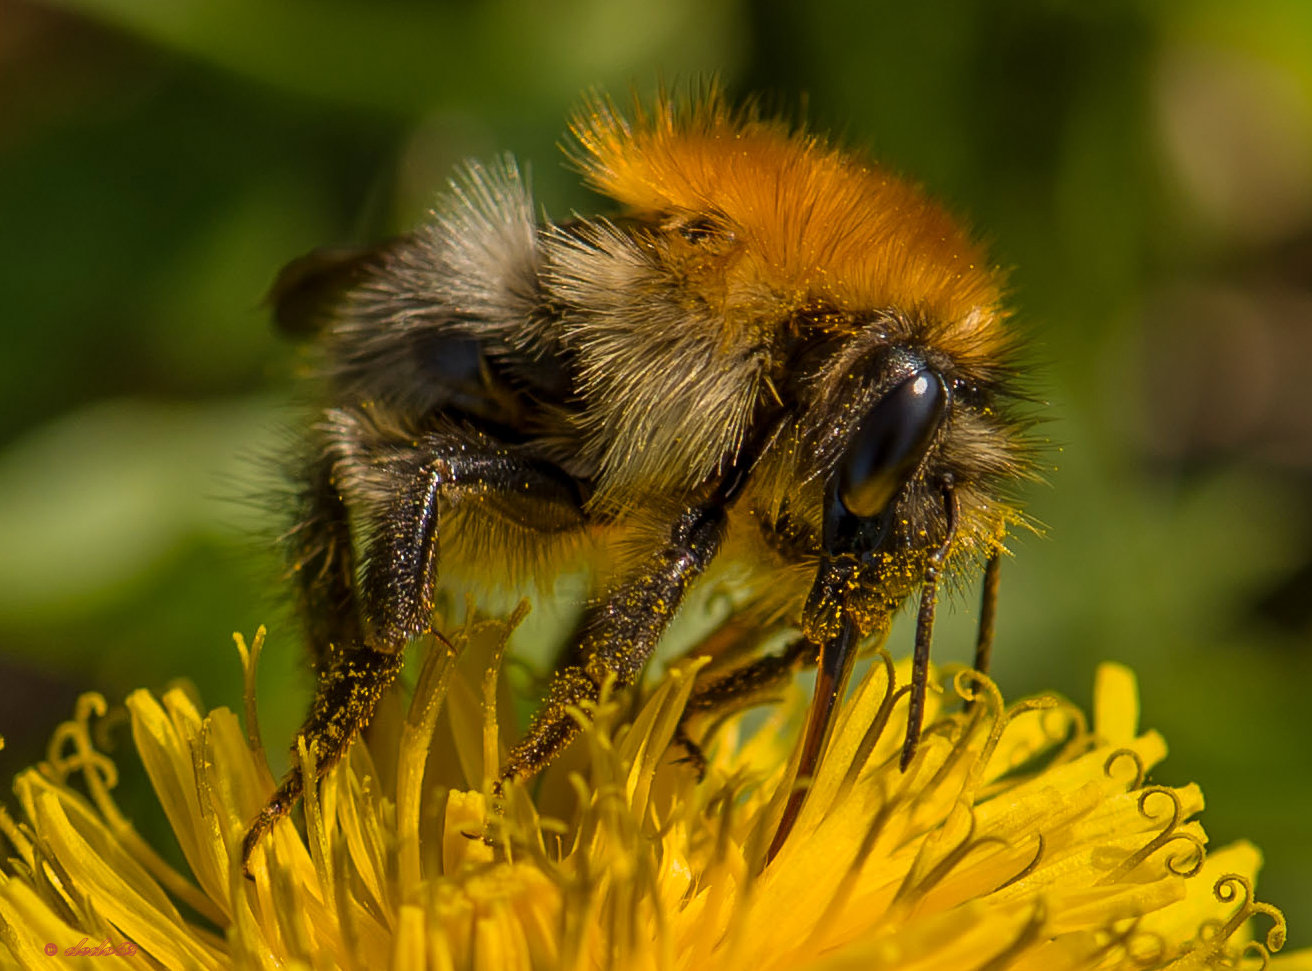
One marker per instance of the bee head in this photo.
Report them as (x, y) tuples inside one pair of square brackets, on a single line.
[(887, 415)]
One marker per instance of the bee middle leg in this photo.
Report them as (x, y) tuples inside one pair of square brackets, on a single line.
[(754, 683), (398, 485), (621, 632), (619, 637)]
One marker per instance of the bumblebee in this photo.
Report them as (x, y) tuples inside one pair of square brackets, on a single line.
[(774, 353)]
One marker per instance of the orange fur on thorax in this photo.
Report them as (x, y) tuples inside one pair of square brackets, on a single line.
[(817, 228)]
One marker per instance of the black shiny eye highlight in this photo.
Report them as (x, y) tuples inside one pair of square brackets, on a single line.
[(889, 443)]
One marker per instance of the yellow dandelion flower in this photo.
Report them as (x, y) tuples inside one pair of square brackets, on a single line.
[(1020, 837)]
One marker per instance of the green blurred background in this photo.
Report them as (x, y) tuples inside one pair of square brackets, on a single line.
[(1146, 169)]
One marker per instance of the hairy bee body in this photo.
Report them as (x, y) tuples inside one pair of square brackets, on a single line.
[(774, 354)]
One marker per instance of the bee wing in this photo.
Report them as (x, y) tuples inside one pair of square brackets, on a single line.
[(308, 290)]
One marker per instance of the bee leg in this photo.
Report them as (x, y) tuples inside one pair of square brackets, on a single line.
[(619, 637), (925, 625), (754, 683), (693, 755), (731, 643), (351, 682), (398, 486), (321, 561), (988, 615), (622, 630)]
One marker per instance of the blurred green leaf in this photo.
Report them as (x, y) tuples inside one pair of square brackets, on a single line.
[(94, 500)]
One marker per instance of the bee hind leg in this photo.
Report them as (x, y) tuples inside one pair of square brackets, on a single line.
[(321, 563), (350, 686), (398, 485)]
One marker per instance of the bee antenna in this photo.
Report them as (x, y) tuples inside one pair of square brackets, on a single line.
[(925, 624)]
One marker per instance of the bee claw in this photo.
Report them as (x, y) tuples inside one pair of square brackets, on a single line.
[(276, 809)]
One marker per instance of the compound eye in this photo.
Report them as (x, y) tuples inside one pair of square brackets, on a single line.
[(889, 443)]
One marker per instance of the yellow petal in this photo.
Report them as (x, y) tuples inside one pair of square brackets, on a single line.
[(1115, 704)]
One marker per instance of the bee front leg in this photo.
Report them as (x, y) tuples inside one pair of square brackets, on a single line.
[(398, 485), (988, 613), (988, 616)]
